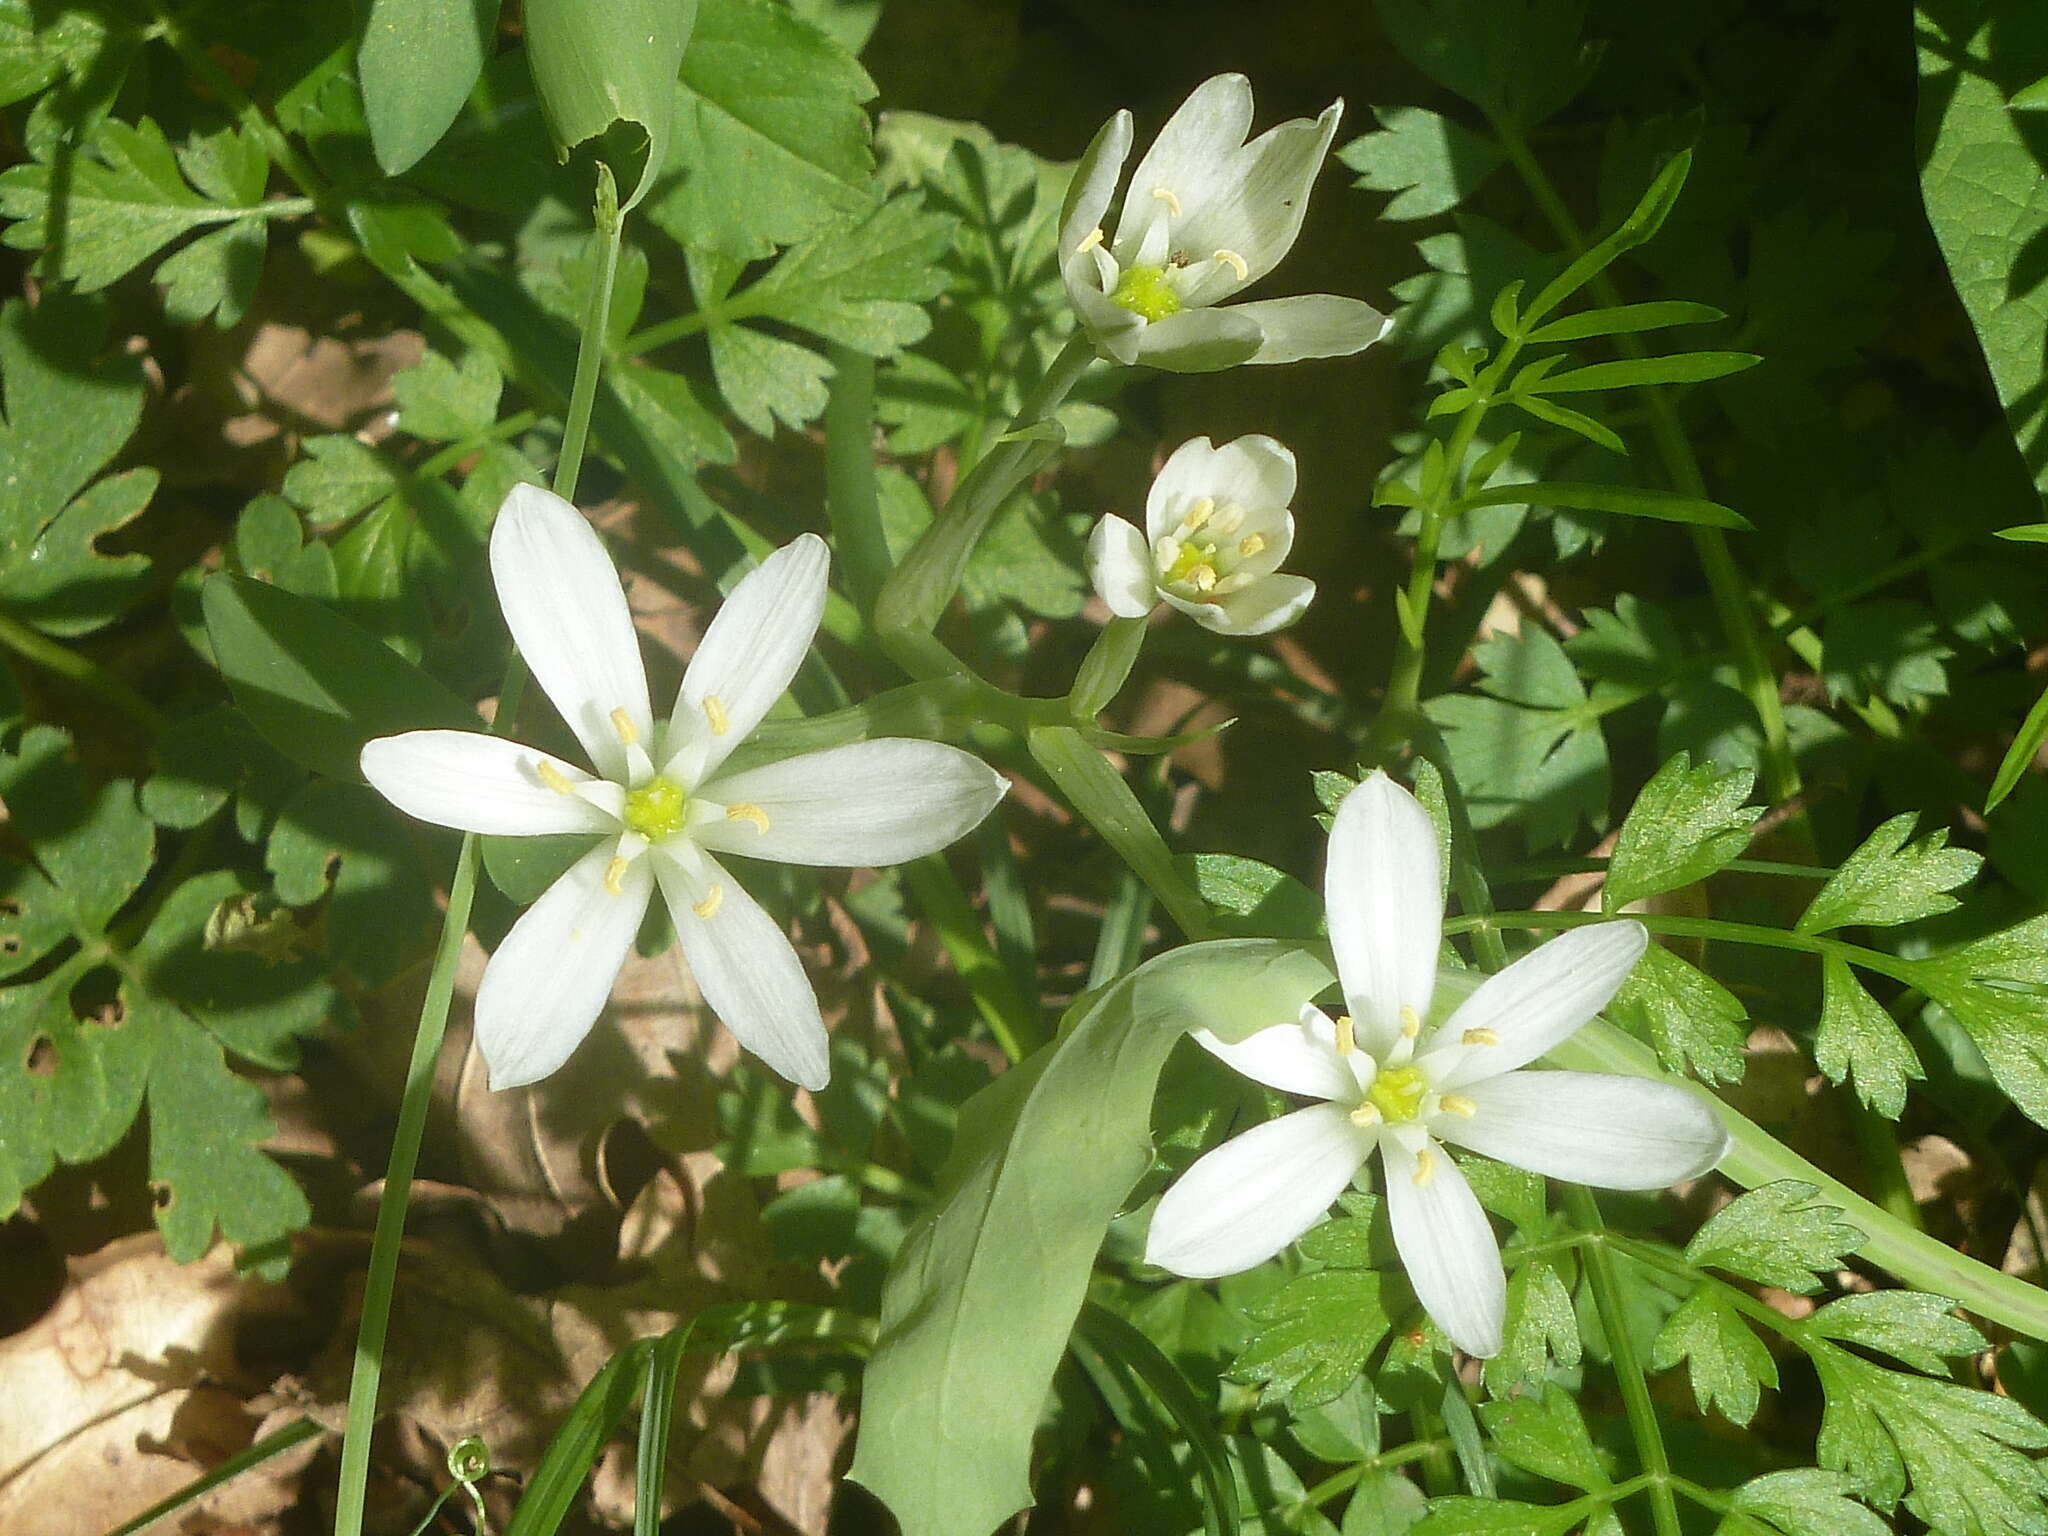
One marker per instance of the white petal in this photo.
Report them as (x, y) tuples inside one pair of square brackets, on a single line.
[(1295, 1058), (1447, 1247), (1196, 144), (567, 613), (1386, 910), (1188, 475), (1094, 184), (1542, 999), (1120, 564), (866, 805), (1311, 325), (1242, 1203), (1591, 1128), (1262, 195), (549, 979), (478, 783), (1254, 472), (745, 966), (1198, 341), (749, 655), (1258, 609)]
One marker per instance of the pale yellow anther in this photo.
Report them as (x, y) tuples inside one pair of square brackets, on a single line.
[(1366, 1116), (714, 711), (1425, 1167), (553, 777), (746, 811), (1202, 577), (1232, 260), (615, 875), (622, 722), (1251, 544), (1480, 1037), (1091, 240), (1457, 1104), (1347, 1037), (708, 907), (1230, 521), (1411, 1024), (1166, 196), (1198, 514)]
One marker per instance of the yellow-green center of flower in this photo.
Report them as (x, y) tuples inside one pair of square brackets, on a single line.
[(657, 809), (1397, 1093), (1192, 558), (1145, 292)]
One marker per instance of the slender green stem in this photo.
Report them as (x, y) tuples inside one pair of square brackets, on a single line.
[(1628, 1369), (1675, 926), (590, 355), (32, 644), (851, 498), (295, 1433)]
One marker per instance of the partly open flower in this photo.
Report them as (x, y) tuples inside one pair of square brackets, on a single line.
[(1205, 216), (1216, 529), (1391, 1083), (661, 802)]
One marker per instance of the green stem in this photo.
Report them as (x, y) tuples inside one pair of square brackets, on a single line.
[(1673, 926), (851, 498), (1628, 1369), (32, 644), (590, 355)]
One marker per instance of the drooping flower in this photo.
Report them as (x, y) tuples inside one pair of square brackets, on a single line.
[(1216, 529), (1390, 1082), (661, 802), (1205, 216)]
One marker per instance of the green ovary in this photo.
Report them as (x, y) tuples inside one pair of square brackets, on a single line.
[(657, 809), (1397, 1093), (1191, 558), (1145, 292)]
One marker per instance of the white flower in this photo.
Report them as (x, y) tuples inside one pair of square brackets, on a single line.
[(1389, 1083), (659, 801), (1216, 529), (1205, 215)]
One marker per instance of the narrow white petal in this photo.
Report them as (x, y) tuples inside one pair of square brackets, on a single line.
[(1592, 1128), (1295, 1058), (1205, 132), (1255, 472), (1198, 341), (866, 805), (745, 966), (1447, 1247), (1311, 325), (1385, 901), (1242, 1203), (567, 613), (1094, 184), (1114, 329), (1259, 609), (1188, 475), (549, 979), (478, 783), (1262, 195), (1120, 564), (749, 655), (1542, 999)]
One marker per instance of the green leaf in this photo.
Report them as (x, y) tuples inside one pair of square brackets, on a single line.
[(1693, 1021), (1431, 163), (1268, 901), (596, 66), (1572, 421), (1727, 1362), (1640, 225), (1889, 880), (1545, 1435), (1628, 500), (417, 62), (1807, 1502), (1310, 1341), (1625, 320), (1778, 1234), (1044, 1158), (770, 132), (344, 840), (1462, 1515), (1631, 372), (557, 1483), (336, 476), (1891, 649), (314, 684), (1541, 1327), (1515, 59), (1857, 1037), (1687, 823), (1911, 1326), (444, 403)]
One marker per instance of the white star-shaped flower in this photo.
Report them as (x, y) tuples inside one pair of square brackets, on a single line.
[(1216, 529), (659, 801), (1205, 216), (1391, 1083)]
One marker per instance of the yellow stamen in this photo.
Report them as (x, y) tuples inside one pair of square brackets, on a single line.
[(714, 711), (1347, 1038), (1235, 262), (1090, 241), (1366, 1116), (1166, 197), (708, 907), (746, 811), (1457, 1104), (1253, 543), (1202, 577), (615, 876), (622, 722), (1198, 514), (1425, 1167), (1411, 1026), (552, 776), (1479, 1037)]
